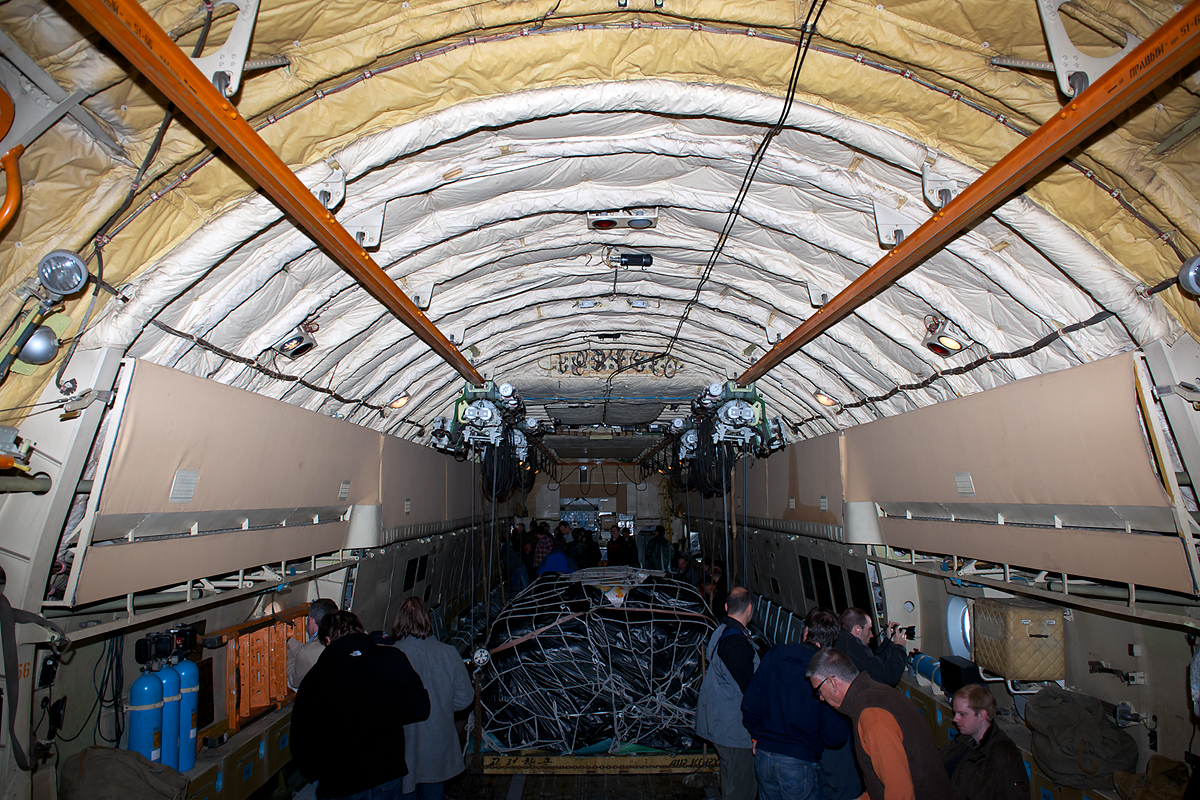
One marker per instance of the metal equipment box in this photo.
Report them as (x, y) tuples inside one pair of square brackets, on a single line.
[(1019, 639)]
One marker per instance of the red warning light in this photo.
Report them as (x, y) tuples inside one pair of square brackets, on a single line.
[(604, 224)]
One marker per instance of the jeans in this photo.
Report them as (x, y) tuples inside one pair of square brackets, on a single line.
[(427, 791), (782, 777), (392, 790)]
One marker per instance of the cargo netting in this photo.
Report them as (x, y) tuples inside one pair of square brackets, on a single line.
[(596, 661)]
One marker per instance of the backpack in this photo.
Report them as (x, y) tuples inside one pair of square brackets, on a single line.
[(1075, 743)]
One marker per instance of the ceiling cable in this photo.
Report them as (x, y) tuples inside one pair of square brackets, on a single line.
[(807, 31)]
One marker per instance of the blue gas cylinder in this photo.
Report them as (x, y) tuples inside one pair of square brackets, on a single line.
[(927, 667), (189, 686), (170, 715), (146, 716)]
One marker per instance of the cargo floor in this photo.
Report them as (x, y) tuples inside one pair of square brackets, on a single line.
[(571, 787)]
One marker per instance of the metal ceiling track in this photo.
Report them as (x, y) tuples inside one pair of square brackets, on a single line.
[(131, 30), (1171, 48)]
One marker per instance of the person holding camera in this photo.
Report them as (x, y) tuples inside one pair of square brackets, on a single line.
[(886, 663)]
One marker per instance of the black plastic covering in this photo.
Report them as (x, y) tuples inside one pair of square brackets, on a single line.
[(570, 670)]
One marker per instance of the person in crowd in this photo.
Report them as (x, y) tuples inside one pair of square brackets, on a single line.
[(302, 655), (347, 732), (886, 663), (593, 549), (543, 548), (577, 550), (893, 745), (720, 592), (558, 561), (982, 762), (686, 571), (732, 660), (431, 747), (513, 562), (790, 727), (658, 551), (622, 550)]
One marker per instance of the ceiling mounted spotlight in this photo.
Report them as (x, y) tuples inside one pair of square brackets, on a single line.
[(938, 338), (636, 218), (825, 400), (1189, 276), (400, 401), (62, 273), (295, 344)]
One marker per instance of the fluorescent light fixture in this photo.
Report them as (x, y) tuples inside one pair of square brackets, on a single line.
[(639, 303), (587, 303)]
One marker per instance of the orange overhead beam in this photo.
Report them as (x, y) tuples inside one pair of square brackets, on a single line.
[(1171, 48), (131, 30)]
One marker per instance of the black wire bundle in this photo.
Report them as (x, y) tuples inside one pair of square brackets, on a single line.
[(498, 470), (713, 463), (110, 690)]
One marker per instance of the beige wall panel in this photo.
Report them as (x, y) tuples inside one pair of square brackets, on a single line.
[(1071, 437), (814, 471), (461, 484), (1157, 561), (417, 473), (116, 570), (758, 481), (251, 451)]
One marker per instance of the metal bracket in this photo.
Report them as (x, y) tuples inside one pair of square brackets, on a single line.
[(332, 191), (224, 67), (367, 227), (39, 101), (85, 399), (938, 189), (1075, 70), (1184, 390), (892, 226)]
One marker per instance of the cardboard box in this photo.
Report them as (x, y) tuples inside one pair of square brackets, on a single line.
[(279, 743), (206, 780), (245, 768)]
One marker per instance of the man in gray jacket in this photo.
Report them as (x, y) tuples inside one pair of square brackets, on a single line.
[(732, 660)]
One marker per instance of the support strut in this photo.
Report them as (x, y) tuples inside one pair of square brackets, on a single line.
[(1171, 48), (131, 30)]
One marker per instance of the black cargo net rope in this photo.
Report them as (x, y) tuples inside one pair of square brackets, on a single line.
[(571, 670)]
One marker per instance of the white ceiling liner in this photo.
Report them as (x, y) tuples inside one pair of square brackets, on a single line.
[(489, 223)]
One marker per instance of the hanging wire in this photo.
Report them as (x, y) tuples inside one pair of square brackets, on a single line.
[(101, 236), (807, 31)]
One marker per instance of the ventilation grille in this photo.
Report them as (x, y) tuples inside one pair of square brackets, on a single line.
[(344, 492), (791, 504), (183, 488), (407, 506), (824, 503), (966, 487)]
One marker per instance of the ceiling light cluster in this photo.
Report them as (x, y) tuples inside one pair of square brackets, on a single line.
[(938, 338), (636, 218)]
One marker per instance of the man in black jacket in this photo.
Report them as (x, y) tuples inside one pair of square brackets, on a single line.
[(885, 665), (350, 711), (982, 762)]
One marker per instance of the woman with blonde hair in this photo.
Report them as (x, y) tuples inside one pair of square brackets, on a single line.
[(431, 747)]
